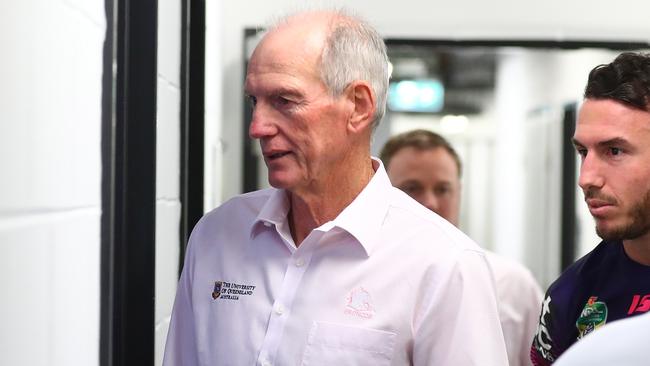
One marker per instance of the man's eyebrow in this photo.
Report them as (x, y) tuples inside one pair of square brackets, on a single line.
[(286, 91), (283, 90), (614, 141), (611, 142), (410, 181)]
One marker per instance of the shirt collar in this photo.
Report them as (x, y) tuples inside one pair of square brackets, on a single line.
[(362, 218), (274, 212)]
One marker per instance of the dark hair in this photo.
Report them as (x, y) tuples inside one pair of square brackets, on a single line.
[(418, 139), (626, 79)]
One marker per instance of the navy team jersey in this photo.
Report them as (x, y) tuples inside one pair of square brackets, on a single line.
[(603, 286)]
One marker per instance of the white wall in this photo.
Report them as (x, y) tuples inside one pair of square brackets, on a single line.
[(168, 206), (50, 159), (461, 19), (215, 141), (50, 198)]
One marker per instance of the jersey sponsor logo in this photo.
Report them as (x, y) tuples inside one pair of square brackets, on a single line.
[(639, 304), (230, 290), (542, 342), (359, 303), (592, 317)]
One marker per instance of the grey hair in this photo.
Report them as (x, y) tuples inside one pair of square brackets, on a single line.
[(353, 51)]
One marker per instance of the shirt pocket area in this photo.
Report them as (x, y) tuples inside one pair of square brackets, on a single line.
[(342, 345)]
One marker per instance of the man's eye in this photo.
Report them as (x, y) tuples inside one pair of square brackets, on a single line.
[(282, 101), (614, 151), (252, 100), (440, 191), (582, 152), (410, 189)]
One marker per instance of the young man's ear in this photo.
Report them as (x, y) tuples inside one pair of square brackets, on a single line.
[(361, 95)]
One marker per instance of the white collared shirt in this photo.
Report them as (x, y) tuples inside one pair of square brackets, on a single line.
[(387, 282), (520, 302)]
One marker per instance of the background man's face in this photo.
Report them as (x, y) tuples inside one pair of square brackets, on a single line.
[(430, 176), (613, 141)]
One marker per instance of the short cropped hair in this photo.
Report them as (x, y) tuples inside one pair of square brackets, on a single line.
[(626, 80), (353, 51), (420, 140)]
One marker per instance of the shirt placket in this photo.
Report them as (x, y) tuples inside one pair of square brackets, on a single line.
[(281, 310)]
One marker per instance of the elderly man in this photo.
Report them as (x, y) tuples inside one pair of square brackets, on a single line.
[(426, 166), (611, 282), (331, 266)]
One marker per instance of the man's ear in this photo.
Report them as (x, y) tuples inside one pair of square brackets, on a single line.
[(361, 95)]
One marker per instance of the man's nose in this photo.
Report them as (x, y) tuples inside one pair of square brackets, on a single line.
[(590, 173), (430, 201), (261, 125)]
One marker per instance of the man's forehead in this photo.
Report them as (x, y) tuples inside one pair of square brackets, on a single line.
[(610, 111), (606, 120), (278, 60), (282, 49), (288, 74), (410, 156)]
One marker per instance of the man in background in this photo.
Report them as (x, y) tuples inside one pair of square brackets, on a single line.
[(612, 281), (333, 265), (424, 165)]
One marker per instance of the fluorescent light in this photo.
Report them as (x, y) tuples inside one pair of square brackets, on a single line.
[(418, 95), (454, 124)]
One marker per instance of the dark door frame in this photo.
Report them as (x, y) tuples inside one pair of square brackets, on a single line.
[(128, 248), (127, 315), (192, 118), (568, 229)]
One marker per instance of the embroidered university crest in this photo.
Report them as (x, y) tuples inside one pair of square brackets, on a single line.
[(217, 289), (231, 290)]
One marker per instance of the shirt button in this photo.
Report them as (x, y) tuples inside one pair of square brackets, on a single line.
[(266, 362), (267, 224), (279, 309), (300, 262)]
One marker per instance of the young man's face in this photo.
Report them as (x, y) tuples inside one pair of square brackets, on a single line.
[(613, 141), (430, 176)]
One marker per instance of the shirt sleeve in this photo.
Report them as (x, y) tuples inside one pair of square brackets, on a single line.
[(459, 323), (181, 348), (531, 297)]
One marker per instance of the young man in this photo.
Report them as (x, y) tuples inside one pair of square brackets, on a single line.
[(333, 265), (612, 282), (424, 165)]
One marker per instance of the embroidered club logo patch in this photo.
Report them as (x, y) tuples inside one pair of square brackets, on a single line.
[(359, 303), (593, 316)]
